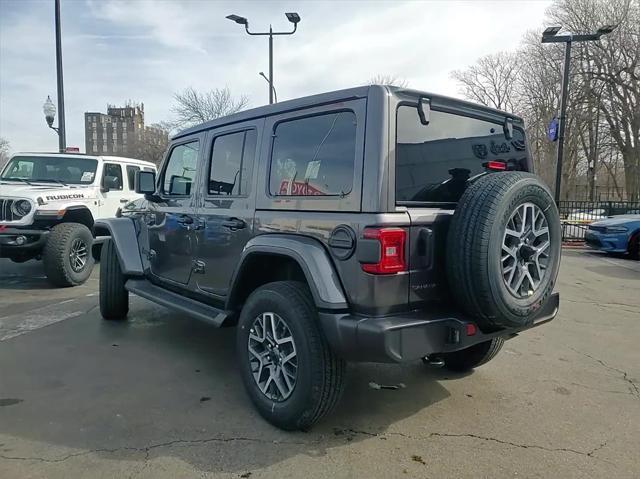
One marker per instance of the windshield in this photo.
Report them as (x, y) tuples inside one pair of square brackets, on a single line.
[(434, 161), (53, 169)]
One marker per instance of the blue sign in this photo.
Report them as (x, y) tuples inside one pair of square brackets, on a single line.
[(552, 129)]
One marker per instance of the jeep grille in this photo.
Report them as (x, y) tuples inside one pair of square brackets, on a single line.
[(6, 214)]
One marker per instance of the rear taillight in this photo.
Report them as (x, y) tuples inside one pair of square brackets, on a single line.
[(392, 242)]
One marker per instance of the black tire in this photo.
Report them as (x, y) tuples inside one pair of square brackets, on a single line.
[(320, 373), (114, 298), (474, 249), (634, 246), (57, 251), (474, 356)]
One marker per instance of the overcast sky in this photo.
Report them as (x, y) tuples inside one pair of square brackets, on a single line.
[(116, 50)]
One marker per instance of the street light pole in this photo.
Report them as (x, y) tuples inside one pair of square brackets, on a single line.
[(62, 138), (292, 17), (550, 35), (270, 65), (562, 119), (273, 88)]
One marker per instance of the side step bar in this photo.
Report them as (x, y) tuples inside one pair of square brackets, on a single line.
[(176, 302)]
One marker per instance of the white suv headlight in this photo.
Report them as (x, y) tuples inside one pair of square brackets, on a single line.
[(21, 208)]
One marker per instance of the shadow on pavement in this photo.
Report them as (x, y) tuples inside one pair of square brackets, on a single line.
[(27, 275), (163, 386)]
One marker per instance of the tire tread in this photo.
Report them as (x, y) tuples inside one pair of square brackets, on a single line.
[(114, 298)]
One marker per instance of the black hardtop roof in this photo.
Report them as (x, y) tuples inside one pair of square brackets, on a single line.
[(327, 98)]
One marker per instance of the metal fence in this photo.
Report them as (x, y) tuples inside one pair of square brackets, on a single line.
[(576, 216)]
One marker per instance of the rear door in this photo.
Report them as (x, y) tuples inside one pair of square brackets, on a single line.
[(434, 165), (172, 220), (226, 209)]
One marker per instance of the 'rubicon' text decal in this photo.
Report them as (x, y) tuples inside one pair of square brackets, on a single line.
[(73, 196)]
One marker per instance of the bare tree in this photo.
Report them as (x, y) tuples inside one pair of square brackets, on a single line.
[(392, 80), (491, 81), (603, 114), (4, 152), (193, 107), (153, 143)]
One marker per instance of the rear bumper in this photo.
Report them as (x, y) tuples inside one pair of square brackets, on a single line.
[(18, 241), (413, 335)]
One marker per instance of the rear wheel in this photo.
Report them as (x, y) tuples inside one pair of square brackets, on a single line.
[(67, 254), (474, 356), (114, 298), (288, 369)]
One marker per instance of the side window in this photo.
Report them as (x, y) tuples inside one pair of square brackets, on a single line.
[(232, 161), (112, 176), (131, 176), (314, 156), (181, 169)]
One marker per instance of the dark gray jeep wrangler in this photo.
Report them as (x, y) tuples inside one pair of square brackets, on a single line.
[(370, 224)]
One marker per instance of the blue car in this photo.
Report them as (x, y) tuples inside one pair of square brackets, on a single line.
[(618, 234)]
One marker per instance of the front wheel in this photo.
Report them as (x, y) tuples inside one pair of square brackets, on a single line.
[(114, 298), (290, 373), (474, 356), (67, 254)]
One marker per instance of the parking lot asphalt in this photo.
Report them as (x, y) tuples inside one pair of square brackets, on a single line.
[(160, 396)]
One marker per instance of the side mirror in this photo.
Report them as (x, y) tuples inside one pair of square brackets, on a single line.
[(180, 185), (424, 110), (508, 128), (145, 182)]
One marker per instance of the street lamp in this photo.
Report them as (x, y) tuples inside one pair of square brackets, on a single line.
[(49, 110), (292, 17), (275, 95), (550, 35)]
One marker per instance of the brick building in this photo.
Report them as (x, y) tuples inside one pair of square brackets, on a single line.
[(121, 132)]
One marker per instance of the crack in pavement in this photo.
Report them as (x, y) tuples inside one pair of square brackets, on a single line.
[(147, 449), (622, 306), (590, 388), (633, 389), (484, 438), (191, 442)]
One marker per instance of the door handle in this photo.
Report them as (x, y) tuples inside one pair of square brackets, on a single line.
[(124, 200), (234, 224)]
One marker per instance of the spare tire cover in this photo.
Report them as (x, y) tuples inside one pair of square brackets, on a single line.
[(503, 249)]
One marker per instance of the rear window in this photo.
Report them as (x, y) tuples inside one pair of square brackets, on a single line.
[(314, 156), (434, 161)]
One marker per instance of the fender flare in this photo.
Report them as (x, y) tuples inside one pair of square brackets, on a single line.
[(312, 258), (123, 234)]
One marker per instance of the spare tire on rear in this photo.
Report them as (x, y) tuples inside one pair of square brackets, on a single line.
[(503, 249)]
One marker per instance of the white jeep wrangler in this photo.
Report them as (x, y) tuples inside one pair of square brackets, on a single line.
[(48, 204)]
